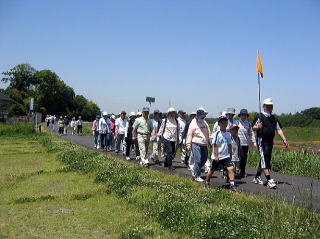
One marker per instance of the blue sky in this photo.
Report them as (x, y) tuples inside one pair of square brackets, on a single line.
[(192, 53)]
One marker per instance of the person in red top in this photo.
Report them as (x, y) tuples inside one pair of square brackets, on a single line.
[(112, 133)]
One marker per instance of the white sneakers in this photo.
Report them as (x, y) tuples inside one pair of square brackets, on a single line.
[(271, 184), (199, 179), (128, 158), (257, 180)]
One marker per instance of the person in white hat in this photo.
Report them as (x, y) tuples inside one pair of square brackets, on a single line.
[(104, 129), (128, 137), (169, 135), (142, 129), (230, 113), (265, 125), (120, 130)]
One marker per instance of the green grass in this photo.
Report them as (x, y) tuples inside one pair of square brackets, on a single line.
[(182, 206), (16, 129), (38, 199), (299, 134)]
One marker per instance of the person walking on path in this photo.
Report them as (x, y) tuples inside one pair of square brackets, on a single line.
[(112, 132), (104, 130), (61, 125), (66, 124), (169, 135), (96, 131), (120, 129), (246, 138), (236, 149), (156, 123), (198, 138), (129, 139), (187, 159), (265, 125), (79, 126), (182, 124), (230, 113), (73, 126), (142, 129), (222, 153)]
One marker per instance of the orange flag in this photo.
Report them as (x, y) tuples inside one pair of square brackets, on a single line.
[(259, 65)]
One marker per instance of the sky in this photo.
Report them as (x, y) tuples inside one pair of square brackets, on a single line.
[(189, 53)]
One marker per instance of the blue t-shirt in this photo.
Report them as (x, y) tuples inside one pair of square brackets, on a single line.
[(221, 140)]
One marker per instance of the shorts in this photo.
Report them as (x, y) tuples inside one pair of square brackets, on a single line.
[(221, 164)]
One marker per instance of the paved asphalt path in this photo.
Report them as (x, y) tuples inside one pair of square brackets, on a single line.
[(299, 190)]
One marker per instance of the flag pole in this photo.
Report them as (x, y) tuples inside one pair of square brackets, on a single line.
[(259, 92)]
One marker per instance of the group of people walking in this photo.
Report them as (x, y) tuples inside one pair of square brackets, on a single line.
[(64, 124), (229, 140)]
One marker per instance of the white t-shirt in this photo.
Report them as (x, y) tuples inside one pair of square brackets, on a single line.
[(222, 140), (121, 125)]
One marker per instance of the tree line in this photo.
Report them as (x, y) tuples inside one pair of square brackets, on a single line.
[(51, 95)]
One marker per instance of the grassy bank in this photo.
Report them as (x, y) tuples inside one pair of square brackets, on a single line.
[(16, 129), (184, 207), (40, 199)]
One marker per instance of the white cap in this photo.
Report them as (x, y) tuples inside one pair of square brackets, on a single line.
[(139, 113), (203, 109), (171, 110), (113, 117), (193, 113), (132, 114), (268, 101), (105, 113)]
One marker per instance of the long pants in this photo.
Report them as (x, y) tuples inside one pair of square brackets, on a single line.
[(183, 150), (96, 138), (265, 149), (200, 154), (119, 140), (129, 143), (143, 141), (155, 150), (60, 130), (243, 159), (112, 142), (103, 141), (66, 129), (79, 129), (169, 149)]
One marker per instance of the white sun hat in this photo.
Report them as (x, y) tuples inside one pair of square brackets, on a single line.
[(105, 113), (203, 109), (171, 109), (132, 114), (268, 101)]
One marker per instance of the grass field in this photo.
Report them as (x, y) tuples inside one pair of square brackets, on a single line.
[(40, 200)]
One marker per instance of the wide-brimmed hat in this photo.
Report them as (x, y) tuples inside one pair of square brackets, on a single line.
[(268, 101), (132, 114), (193, 113), (203, 109), (243, 112), (105, 113), (231, 111), (171, 109)]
